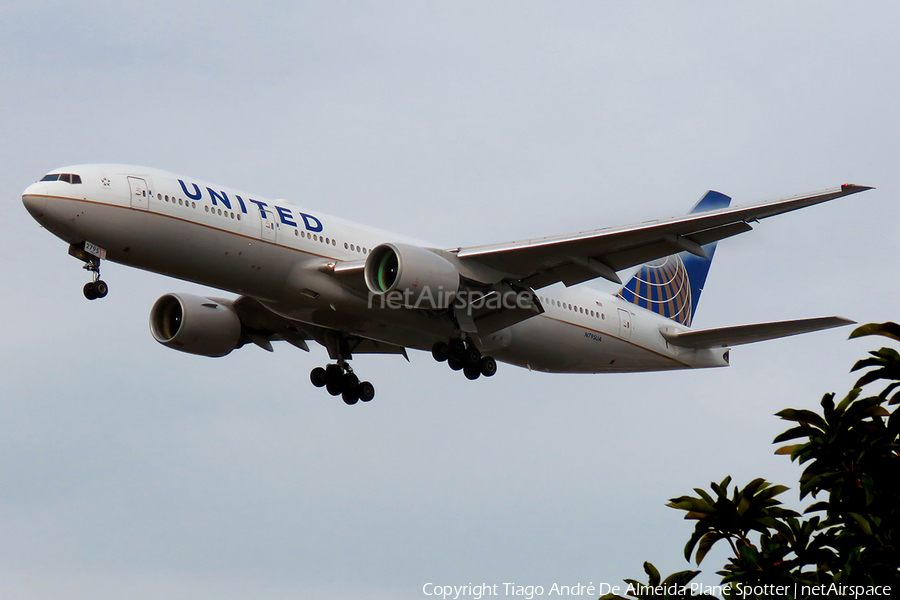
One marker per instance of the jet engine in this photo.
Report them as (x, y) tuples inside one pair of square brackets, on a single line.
[(196, 325), (411, 276)]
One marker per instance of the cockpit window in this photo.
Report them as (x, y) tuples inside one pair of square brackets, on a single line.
[(67, 177)]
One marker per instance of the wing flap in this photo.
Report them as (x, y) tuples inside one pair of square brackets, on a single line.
[(722, 337)]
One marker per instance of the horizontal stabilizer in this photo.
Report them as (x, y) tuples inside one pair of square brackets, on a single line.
[(721, 337)]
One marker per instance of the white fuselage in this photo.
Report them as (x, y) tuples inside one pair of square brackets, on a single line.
[(275, 251)]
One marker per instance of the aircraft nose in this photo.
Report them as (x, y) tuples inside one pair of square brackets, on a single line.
[(35, 199)]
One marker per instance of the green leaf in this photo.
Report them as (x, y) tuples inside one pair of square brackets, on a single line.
[(772, 491), (690, 504), (706, 543), (868, 485), (788, 449), (793, 433), (681, 578), (888, 329), (862, 521), (801, 416), (867, 362), (653, 573), (817, 506)]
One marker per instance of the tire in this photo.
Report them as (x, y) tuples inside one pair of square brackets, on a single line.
[(100, 288), (350, 397), (90, 291), (457, 349), (333, 389), (333, 374), (349, 381), (440, 351), (454, 364), (317, 377), (488, 366), (471, 372), (365, 391), (472, 357)]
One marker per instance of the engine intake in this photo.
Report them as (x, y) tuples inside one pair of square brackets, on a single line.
[(420, 278), (196, 325)]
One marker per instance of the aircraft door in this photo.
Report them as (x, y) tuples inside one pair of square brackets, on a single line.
[(624, 324), (140, 196), (269, 226)]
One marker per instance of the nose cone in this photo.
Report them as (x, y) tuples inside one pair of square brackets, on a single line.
[(35, 199)]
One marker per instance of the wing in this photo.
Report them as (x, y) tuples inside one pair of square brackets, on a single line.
[(261, 326), (721, 337), (579, 257)]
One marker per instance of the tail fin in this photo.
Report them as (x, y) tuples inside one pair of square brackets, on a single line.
[(671, 286)]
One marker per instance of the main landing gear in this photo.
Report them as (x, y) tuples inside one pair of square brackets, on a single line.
[(464, 356), (96, 288), (340, 380)]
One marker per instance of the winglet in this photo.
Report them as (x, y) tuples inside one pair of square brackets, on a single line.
[(851, 188)]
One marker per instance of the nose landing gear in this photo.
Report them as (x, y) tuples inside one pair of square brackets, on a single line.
[(96, 288), (90, 254), (464, 356)]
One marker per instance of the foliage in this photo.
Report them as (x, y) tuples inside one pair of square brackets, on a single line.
[(851, 536), (669, 586)]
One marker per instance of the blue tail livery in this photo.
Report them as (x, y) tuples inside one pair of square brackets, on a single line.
[(671, 286)]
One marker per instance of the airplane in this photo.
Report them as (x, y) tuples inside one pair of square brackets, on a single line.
[(301, 276)]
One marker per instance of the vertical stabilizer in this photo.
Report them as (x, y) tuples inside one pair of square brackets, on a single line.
[(671, 286)]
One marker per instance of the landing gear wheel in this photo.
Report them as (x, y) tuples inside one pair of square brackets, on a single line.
[(471, 372), (100, 288), (365, 391), (350, 397), (488, 366), (457, 349), (440, 351), (454, 363), (317, 377), (90, 291), (349, 381), (333, 375), (338, 379), (472, 357)]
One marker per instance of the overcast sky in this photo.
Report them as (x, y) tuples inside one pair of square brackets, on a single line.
[(128, 470)]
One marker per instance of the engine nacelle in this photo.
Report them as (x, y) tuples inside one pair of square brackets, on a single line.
[(195, 325), (411, 276)]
